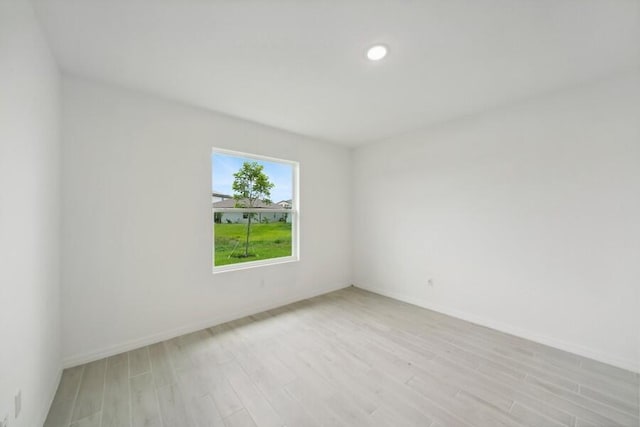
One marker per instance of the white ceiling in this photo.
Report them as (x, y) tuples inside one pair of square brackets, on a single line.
[(300, 65)]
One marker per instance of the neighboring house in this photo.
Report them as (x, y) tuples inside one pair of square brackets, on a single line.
[(241, 218), (218, 197), (287, 204)]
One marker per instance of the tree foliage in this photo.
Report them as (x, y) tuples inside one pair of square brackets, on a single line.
[(250, 185)]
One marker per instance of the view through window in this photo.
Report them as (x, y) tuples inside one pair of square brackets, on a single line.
[(254, 209)]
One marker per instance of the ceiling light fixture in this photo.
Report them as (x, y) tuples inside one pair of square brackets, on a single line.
[(377, 52)]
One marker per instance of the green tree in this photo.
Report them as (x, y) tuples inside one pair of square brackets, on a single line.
[(251, 185)]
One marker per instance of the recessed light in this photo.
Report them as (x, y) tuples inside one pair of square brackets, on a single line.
[(377, 52)]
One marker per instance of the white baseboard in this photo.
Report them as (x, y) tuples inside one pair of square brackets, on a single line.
[(80, 359), (580, 350)]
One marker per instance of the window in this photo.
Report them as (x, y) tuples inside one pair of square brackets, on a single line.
[(255, 210)]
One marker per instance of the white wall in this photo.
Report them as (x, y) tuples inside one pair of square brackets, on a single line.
[(527, 218), (29, 216), (137, 220)]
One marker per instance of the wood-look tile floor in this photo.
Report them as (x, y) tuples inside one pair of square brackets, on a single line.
[(348, 358)]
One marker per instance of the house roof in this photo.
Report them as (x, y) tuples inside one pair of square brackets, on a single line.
[(222, 195), (231, 203)]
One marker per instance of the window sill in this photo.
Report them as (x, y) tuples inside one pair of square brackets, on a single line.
[(254, 264)]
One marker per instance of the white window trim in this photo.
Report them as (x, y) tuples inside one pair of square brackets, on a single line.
[(294, 211)]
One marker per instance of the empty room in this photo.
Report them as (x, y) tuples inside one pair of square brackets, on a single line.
[(263, 213)]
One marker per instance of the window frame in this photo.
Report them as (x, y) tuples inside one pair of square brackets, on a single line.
[(294, 211)]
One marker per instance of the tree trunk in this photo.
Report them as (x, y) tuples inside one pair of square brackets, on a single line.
[(246, 246)]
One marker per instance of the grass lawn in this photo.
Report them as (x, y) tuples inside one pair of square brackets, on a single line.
[(267, 241)]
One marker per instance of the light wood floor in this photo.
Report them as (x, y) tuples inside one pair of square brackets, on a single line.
[(349, 358)]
